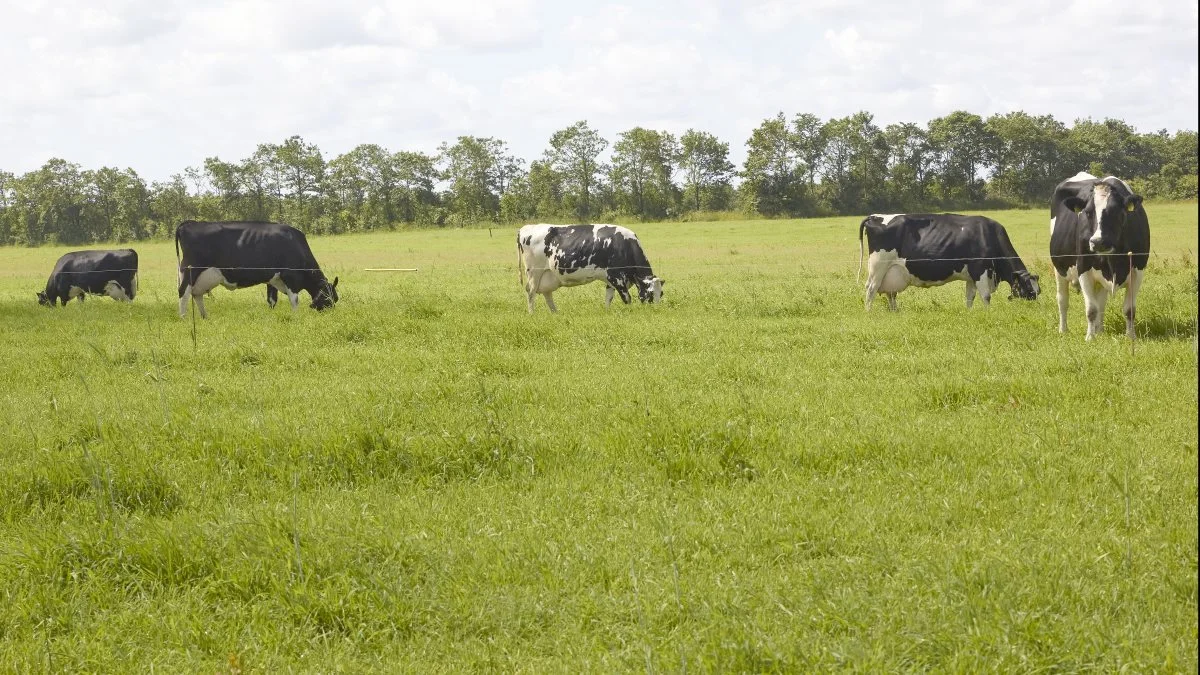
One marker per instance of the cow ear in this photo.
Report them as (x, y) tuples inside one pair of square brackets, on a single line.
[(1134, 202), (335, 280)]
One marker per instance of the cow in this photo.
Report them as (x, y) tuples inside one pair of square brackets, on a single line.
[(238, 254), (1097, 228), (933, 249), (111, 273), (552, 256)]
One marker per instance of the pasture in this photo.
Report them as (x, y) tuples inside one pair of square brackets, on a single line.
[(756, 475)]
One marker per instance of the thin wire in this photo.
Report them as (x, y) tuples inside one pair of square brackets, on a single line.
[(1130, 254)]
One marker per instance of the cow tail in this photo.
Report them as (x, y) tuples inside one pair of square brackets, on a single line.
[(520, 264), (861, 227)]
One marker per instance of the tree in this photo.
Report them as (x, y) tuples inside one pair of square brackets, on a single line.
[(479, 170), (908, 165), (1028, 156), (296, 170), (770, 173), (574, 155), (962, 147), (809, 144), (856, 166), (643, 166), (707, 169), (416, 173)]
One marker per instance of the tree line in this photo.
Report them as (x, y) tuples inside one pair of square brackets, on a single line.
[(795, 167)]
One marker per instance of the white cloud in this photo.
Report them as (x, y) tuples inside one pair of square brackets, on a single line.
[(159, 85)]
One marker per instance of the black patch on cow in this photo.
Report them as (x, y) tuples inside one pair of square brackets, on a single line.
[(90, 271), (249, 253), (1124, 232), (936, 246)]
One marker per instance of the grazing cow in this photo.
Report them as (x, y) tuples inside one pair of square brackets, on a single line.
[(111, 273), (551, 256), (933, 249), (242, 254), (1097, 227)]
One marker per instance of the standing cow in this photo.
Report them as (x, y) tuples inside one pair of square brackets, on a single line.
[(242, 254), (1097, 228), (552, 256), (926, 250), (111, 273)]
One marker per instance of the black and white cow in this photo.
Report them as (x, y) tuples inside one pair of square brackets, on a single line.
[(1095, 226), (552, 256), (933, 249), (111, 273), (241, 254)]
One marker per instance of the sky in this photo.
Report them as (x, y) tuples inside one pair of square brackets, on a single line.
[(159, 85)]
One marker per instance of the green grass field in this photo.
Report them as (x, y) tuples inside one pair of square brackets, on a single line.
[(755, 476)]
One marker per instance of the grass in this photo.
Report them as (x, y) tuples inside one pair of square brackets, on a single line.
[(755, 476)]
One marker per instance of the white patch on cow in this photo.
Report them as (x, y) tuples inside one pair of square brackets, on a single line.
[(292, 296), (204, 282), (886, 217), (1102, 193), (1082, 175), (1052, 226), (986, 285), (887, 274), (209, 279), (1121, 182), (74, 292), (113, 290), (656, 289)]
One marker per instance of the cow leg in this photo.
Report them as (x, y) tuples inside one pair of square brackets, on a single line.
[(549, 296), (984, 287), (1095, 297), (1063, 287), (891, 297), (609, 291), (280, 285), (272, 296), (970, 293), (530, 296), (200, 306), (871, 290), (184, 293), (1132, 285)]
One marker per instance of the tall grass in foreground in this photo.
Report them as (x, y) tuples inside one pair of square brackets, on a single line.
[(755, 476)]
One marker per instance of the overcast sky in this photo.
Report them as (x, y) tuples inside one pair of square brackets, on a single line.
[(158, 85)]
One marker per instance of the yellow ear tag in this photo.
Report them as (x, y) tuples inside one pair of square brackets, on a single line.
[(1130, 207)]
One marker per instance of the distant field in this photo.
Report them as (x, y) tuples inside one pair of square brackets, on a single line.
[(756, 475)]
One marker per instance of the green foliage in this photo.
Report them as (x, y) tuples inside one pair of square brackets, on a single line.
[(755, 476), (801, 166)]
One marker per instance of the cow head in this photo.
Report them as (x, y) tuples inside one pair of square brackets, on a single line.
[(43, 299), (650, 289), (326, 295), (1105, 204), (1025, 286)]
